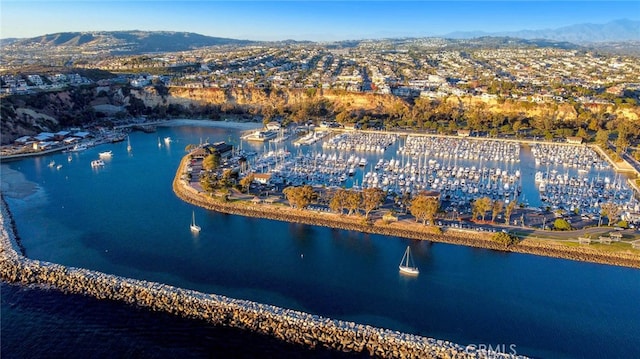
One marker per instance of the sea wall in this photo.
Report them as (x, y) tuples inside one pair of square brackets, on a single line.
[(285, 324), (452, 236)]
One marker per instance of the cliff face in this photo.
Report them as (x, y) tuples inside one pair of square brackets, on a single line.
[(30, 114), (262, 98), (51, 111)]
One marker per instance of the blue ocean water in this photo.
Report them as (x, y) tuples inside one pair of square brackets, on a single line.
[(124, 219)]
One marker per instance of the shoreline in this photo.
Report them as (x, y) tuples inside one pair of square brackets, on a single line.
[(13, 183), (404, 230), (291, 326)]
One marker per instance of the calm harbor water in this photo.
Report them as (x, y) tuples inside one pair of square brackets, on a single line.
[(124, 219)]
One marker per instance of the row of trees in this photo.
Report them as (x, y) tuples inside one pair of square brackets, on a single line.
[(481, 206), (423, 207), (341, 201)]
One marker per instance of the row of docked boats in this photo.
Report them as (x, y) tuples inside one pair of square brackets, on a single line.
[(361, 141), (460, 148), (562, 191), (583, 158), (458, 183), (561, 188), (444, 165)]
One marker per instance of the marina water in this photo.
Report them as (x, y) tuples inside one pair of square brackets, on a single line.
[(124, 219)]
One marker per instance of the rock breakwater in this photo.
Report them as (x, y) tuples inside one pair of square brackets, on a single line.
[(287, 325)]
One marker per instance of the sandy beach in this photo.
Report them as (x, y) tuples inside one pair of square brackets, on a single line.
[(14, 184), (244, 126)]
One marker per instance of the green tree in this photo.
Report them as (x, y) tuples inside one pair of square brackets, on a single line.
[(602, 138), (189, 147), (622, 142), (480, 207), (353, 201), (432, 208), (561, 224), (609, 210), (246, 181), (338, 201), (371, 199), (299, 197), (211, 162), (418, 208), (424, 208), (508, 210), (505, 239), (583, 134), (225, 179), (496, 208), (208, 182)]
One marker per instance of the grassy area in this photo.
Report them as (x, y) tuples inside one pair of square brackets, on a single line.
[(568, 244), (614, 247)]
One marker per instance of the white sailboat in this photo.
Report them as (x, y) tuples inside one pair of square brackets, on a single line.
[(194, 227), (128, 144), (406, 264)]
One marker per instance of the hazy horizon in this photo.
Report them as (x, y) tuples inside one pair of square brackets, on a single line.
[(304, 20)]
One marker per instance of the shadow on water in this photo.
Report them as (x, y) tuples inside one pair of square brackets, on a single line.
[(47, 323)]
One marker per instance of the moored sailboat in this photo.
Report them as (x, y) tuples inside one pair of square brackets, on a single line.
[(406, 264), (194, 227)]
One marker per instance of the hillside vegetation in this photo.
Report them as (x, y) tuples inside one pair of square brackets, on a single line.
[(89, 105)]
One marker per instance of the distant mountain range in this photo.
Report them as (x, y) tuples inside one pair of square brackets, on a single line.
[(614, 31), (125, 42), (133, 42)]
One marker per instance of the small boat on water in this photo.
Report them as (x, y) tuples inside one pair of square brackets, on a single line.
[(159, 143), (58, 167), (128, 144), (78, 147), (194, 227), (406, 264), (168, 140), (105, 154), (97, 163), (52, 164)]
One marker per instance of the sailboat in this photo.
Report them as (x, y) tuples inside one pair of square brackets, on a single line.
[(128, 144), (194, 227), (406, 264), (159, 143)]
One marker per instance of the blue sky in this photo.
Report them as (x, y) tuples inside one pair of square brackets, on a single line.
[(304, 20)]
